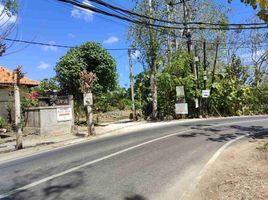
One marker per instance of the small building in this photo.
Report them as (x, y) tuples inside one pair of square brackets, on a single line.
[(7, 91)]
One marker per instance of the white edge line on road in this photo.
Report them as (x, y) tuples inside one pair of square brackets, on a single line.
[(80, 141), (210, 162), (33, 184)]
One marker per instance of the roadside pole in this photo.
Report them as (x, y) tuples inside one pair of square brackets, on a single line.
[(214, 67), (198, 99), (17, 75), (205, 78), (168, 36), (132, 85), (87, 84)]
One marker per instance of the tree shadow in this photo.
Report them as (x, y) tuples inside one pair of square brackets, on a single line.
[(57, 191), (213, 134), (53, 190), (135, 197), (190, 135)]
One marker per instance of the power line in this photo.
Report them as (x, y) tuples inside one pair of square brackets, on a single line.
[(130, 13), (112, 49), (54, 45)]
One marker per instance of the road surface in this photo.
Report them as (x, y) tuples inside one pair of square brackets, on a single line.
[(159, 163)]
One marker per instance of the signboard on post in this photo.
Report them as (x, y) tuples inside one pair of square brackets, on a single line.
[(180, 91), (181, 108), (205, 93), (88, 99), (64, 114)]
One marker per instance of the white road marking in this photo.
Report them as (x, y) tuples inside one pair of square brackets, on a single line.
[(33, 184), (210, 162)]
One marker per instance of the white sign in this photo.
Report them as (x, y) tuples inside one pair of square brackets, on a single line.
[(88, 99), (64, 114), (205, 93), (196, 103), (180, 91), (181, 108)]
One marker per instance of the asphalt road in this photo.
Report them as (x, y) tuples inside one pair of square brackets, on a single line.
[(159, 163)]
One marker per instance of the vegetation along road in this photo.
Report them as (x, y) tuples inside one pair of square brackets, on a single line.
[(156, 163)]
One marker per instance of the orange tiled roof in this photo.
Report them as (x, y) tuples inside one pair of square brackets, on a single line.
[(6, 78)]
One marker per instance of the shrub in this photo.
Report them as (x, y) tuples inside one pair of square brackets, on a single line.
[(2, 122)]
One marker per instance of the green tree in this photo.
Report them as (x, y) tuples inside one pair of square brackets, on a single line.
[(178, 73), (261, 4), (47, 85), (91, 57), (8, 13), (149, 42), (232, 95)]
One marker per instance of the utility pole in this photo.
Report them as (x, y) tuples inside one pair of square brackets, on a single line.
[(198, 99), (187, 31), (168, 37), (17, 75), (153, 66), (205, 76), (214, 68), (132, 85), (88, 79)]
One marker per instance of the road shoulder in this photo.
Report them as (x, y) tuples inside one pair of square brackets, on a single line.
[(240, 172)]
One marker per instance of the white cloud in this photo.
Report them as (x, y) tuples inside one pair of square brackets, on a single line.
[(70, 35), (80, 13), (111, 40), (6, 20), (43, 65), (50, 48), (136, 54)]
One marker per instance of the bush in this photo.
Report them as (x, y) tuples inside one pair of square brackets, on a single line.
[(2, 122)]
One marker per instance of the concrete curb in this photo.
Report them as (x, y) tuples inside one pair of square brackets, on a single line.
[(213, 159)]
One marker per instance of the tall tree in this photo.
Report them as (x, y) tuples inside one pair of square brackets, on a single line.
[(261, 4), (91, 57), (149, 41), (8, 17)]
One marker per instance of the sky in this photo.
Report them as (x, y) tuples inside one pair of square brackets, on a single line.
[(53, 22)]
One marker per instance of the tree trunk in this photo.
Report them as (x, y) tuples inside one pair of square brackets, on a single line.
[(17, 116), (154, 91), (90, 124)]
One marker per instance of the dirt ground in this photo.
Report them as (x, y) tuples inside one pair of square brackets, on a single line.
[(240, 173)]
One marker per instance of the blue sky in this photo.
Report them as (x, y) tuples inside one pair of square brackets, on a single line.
[(53, 22)]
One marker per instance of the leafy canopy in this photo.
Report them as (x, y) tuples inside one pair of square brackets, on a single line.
[(91, 57)]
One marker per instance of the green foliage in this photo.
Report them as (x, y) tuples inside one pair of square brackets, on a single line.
[(143, 96), (2, 122), (178, 73), (11, 7), (262, 6), (115, 100), (231, 95), (47, 85), (91, 57)]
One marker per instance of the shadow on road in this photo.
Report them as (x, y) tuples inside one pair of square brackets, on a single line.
[(135, 197), (226, 133)]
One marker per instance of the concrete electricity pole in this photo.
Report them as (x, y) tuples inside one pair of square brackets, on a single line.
[(205, 76), (168, 36), (187, 31), (17, 75), (132, 85), (153, 65), (88, 79)]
